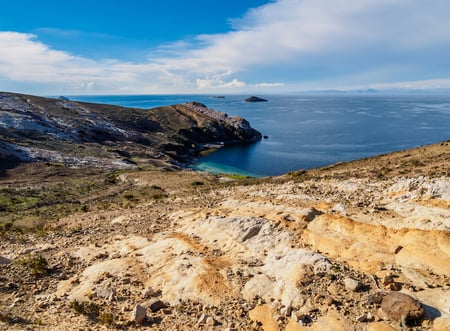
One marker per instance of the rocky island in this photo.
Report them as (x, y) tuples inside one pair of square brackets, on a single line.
[(255, 99), (362, 245)]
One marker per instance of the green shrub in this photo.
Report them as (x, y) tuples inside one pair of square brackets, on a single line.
[(86, 308), (106, 318), (37, 265)]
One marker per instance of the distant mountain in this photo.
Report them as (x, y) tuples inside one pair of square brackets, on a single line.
[(86, 134)]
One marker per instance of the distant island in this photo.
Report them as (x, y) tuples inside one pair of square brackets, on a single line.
[(255, 99)]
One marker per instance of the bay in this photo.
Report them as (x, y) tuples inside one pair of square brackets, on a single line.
[(312, 130)]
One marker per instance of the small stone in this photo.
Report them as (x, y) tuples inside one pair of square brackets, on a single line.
[(149, 292), (210, 321), (138, 314), (156, 305), (351, 284), (395, 286), (398, 249), (388, 279), (322, 267), (202, 319), (304, 320), (106, 293), (328, 301), (362, 318), (286, 310), (312, 213), (340, 209), (166, 311)]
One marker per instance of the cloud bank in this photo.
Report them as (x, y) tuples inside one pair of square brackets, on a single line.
[(286, 45)]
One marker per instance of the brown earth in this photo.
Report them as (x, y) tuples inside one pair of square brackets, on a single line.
[(206, 252)]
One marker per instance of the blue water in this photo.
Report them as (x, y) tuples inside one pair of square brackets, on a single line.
[(307, 131)]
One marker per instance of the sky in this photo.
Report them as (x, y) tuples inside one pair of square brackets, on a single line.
[(80, 47)]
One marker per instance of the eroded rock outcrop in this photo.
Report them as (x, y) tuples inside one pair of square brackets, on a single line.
[(85, 134), (272, 254)]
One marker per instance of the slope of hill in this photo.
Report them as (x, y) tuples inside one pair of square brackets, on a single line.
[(82, 134), (362, 245)]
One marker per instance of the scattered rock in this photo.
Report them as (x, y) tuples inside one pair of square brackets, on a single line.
[(352, 285), (4, 260), (105, 292), (322, 267), (156, 305), (203, 318), (210, 321), (149, 292), (312, 213), (253, 231), (398, 249), (138, 314), (388, 279), (286, 310), (340, 209), (401, 307)]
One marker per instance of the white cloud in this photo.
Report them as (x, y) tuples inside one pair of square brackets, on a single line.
[(307, 43), (269, 85)]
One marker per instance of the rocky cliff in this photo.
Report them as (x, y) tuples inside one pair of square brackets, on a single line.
[(77, 134)]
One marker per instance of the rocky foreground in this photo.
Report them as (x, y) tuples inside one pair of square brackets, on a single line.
[(356, 246)]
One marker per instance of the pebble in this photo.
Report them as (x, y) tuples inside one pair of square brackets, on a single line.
[(156, 305), (351, 284), (148, 292)]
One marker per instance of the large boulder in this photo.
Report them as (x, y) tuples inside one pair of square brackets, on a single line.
[(400, 307)]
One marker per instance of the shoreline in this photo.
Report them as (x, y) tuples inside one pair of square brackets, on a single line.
[(218, 168)]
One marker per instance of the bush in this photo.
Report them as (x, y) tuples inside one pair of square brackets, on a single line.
[(37, 265), (86, 308)]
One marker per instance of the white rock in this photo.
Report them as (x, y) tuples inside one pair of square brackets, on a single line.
[(138, 314), (351, 284)]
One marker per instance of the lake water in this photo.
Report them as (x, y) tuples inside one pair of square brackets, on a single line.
[(307, 131)]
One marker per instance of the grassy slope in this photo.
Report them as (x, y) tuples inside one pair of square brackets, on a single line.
[(33, 194)]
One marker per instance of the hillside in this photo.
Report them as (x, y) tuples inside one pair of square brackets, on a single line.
[(362, 245), (97, 135)]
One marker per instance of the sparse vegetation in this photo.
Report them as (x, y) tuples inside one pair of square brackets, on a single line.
[(106, 318), (86, 308), (36, 265)]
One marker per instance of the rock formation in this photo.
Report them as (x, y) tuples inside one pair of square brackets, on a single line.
[(86, 134)]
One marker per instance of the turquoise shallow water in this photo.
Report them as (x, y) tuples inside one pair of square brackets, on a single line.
[(307, 131)]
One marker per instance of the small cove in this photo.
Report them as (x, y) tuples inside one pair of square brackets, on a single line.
[(307, 131)]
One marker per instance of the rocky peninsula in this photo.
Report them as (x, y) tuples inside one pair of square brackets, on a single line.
[(362, 245), (85, 134)]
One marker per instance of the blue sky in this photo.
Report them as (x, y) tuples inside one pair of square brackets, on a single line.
[(68, 47)]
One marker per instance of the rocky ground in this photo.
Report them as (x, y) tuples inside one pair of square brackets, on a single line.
[(356, 246)]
